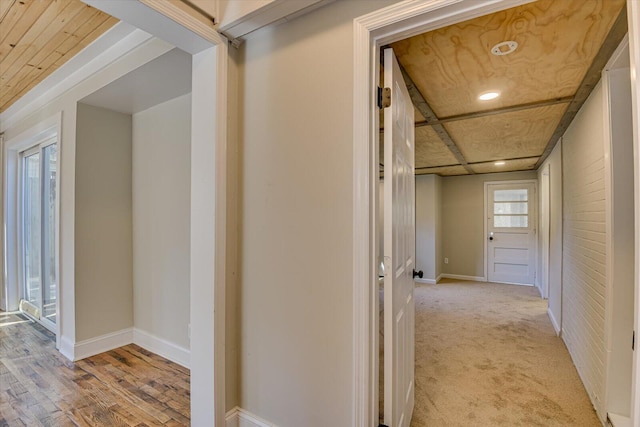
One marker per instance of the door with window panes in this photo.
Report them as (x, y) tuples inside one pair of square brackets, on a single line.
[(39, 239), (511, 233)]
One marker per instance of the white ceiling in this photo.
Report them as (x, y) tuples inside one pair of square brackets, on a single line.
[(157, 81)]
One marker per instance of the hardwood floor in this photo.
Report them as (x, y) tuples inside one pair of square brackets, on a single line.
[(128, 386)]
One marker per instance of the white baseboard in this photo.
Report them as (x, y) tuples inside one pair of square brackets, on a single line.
[(426, 281), (554, 322), (162, 347), (97, 345), (238, 417), (438, 278), (619, 420), (66, 348), (461, 277)]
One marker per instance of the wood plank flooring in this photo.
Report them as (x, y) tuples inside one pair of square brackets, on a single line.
[(128, 386)]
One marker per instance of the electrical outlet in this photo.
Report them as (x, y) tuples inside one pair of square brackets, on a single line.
[(446, 260)]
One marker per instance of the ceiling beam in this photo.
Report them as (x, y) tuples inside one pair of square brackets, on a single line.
[(421, 105), (494, 111), (611, 43)]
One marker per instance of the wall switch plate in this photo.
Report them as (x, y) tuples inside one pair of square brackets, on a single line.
[(446, 260)]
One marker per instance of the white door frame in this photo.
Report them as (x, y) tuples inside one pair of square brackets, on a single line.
[(544, 222), (633, 10), (486, 213), (371, 31)]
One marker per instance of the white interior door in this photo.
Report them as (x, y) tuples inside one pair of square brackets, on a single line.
[(399, 249), (511, 229)]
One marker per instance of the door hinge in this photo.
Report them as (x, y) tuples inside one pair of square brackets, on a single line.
[(384, 97), (633, 341)]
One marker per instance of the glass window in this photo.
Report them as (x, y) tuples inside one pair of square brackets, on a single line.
[(517, 195), (511, 208), (511, 221)]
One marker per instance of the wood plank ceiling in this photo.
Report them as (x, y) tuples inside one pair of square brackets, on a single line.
[(38, 36), (562, 49)]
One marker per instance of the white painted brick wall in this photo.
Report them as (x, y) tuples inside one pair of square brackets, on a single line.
[(584, 254)]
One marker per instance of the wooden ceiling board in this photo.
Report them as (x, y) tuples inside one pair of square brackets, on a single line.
[(38, 36), (509, 166), (430, 151), (51, 58), (558, 41), (517, 134), (443, 171)]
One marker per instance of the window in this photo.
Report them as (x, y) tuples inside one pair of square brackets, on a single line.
[(511, 208)]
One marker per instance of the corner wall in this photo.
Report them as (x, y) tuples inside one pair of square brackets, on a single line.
[(161, 222), (103, 223), (428, 227)]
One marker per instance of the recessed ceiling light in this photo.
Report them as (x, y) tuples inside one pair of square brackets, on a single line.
[(488, 96), (504, 48), (500, 163)]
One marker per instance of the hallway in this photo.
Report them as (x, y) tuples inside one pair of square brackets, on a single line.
[(487, 355)]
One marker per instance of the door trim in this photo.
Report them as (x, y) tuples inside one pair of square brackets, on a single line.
[(486, 212), (633, 9), (395, 22)]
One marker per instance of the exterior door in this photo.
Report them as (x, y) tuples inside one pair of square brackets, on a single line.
[(511, 229), (39, 240), (399, 249)]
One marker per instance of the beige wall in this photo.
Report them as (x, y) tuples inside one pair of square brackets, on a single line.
[(555, 233), (161, 218), (103, 223), (462, 221), (428, 227), (296, 224), (584, 240), (232, 325)]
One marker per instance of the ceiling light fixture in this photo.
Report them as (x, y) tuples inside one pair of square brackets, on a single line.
[(504, 48), (500, 163), (488, 96)]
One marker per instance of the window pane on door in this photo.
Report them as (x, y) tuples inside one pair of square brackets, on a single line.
[(515, 195), (511, 221), (50, 287), (510, 207), (31, 230)]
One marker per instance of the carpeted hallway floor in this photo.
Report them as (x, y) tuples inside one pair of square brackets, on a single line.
[(487, 355)]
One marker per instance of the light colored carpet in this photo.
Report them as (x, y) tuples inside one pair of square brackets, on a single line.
[(487, 355)]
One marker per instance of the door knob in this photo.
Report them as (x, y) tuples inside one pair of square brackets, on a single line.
[(491, 238), (417, 273)]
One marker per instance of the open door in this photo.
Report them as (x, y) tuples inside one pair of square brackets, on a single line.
[(399, 249)]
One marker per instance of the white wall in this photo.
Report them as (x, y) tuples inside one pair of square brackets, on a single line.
[(103, 223), (623, 257), (554, 161), (161, 218), (427, 226), (584, 255), (296, 224), (462, 221)]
